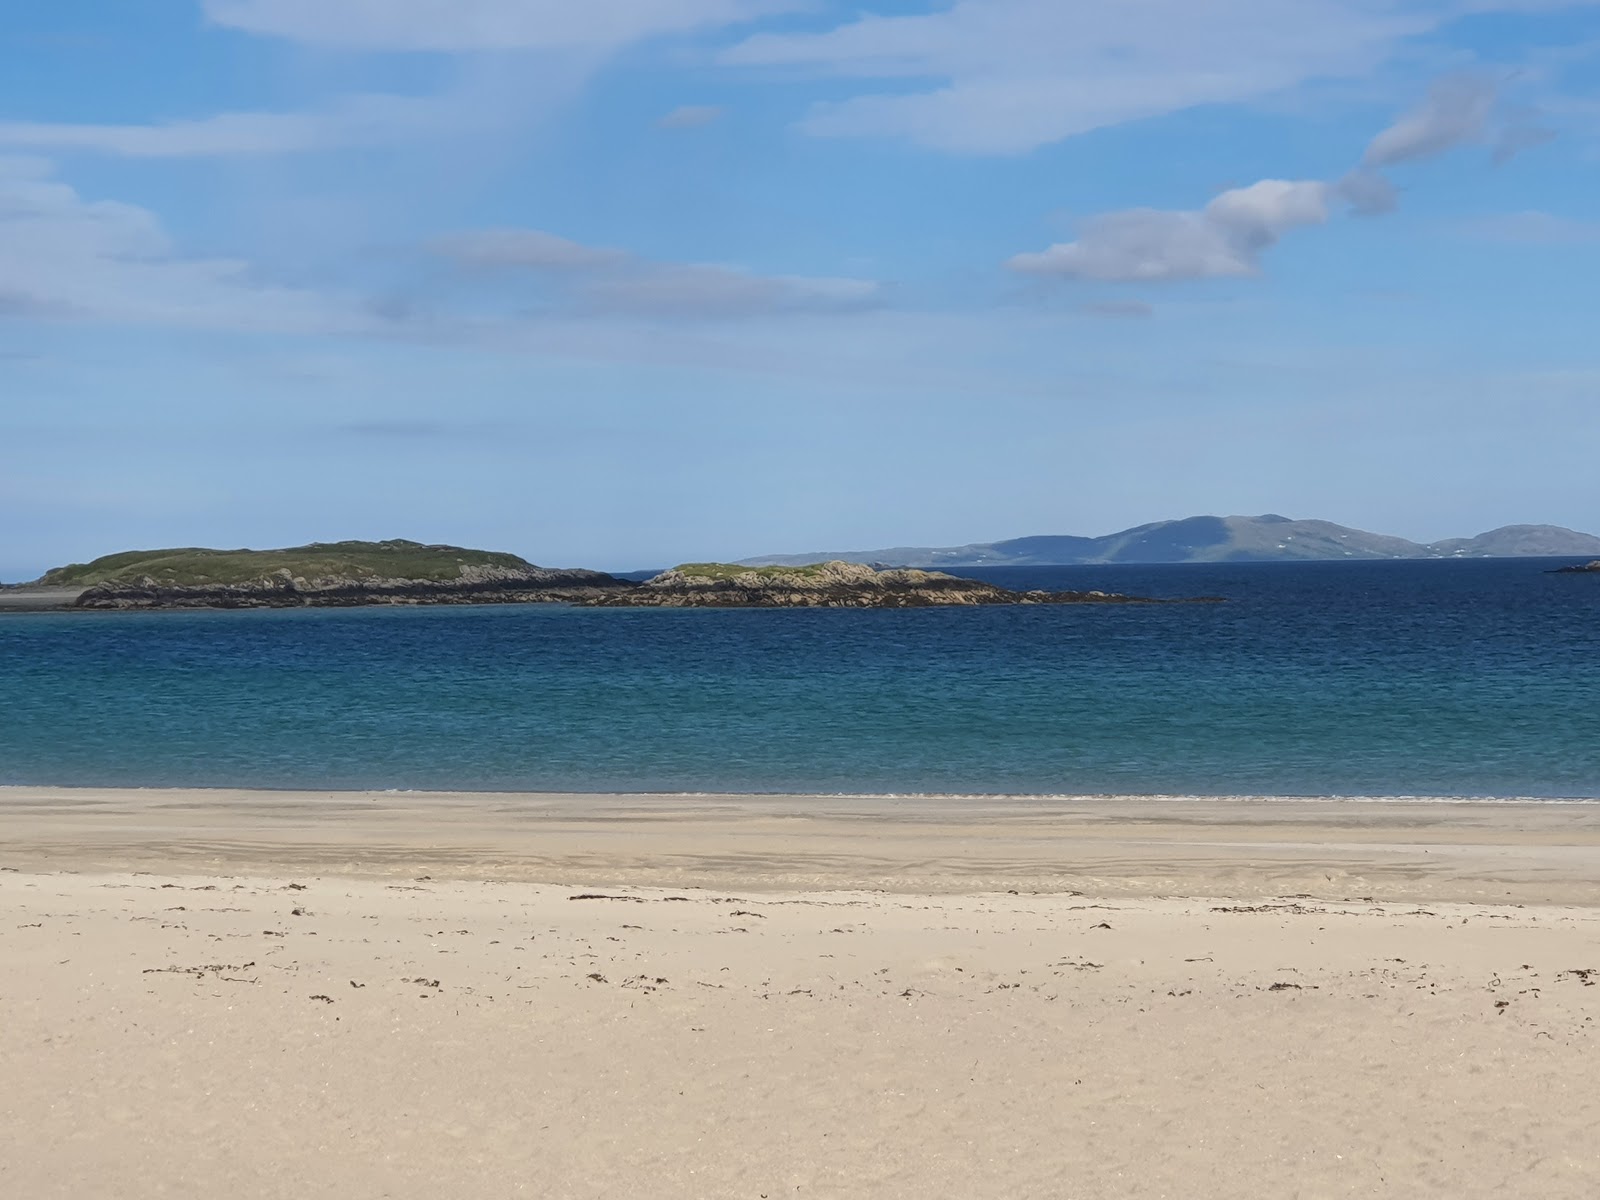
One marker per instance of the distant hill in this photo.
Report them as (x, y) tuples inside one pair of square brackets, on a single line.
[(1267, 538)]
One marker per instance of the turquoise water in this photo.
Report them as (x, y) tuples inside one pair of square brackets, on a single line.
[(1431, 679)]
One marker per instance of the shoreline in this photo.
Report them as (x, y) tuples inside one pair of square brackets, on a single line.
[(790, 794), (1528, 852)]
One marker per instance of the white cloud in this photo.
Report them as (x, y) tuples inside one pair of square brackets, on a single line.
[(64, 256), (465, 25), (691, 116), (601, 281), (1227, 237), (358, 120), (1015, 74), (1456, 111), (1224, 239)]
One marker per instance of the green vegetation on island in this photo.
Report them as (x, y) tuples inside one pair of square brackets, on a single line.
[(321, 574), (196, 567)]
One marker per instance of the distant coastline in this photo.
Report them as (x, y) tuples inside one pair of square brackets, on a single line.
[(398, 571), (1210, 539)]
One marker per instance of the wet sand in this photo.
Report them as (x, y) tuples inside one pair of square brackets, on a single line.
[(1536, 852)]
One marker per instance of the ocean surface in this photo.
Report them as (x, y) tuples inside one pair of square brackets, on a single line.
[(1473, 678)]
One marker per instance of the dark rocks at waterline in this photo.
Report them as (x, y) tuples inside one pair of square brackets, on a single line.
[(283, 589), (1588, 568)]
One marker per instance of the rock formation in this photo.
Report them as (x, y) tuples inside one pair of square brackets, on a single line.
[(284, 589), (830, 585)]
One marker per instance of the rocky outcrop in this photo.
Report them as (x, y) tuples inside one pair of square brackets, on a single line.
[(476, 584), (831, 585), (1589, 568)]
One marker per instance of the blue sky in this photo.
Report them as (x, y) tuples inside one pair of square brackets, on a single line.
[(635, 281)]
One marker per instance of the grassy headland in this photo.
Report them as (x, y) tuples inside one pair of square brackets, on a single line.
[(198, 567)]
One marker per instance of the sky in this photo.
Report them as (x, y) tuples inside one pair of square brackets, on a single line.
[(630, 282)]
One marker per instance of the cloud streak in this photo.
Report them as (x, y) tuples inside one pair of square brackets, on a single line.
[(482, 25), (1456, 111), (526, 249), (358, 120), (603, 281)]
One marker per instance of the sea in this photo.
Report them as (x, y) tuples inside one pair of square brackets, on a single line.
[(1449, 679)]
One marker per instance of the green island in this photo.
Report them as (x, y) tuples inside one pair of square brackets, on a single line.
[(322, 574), (200, 567)]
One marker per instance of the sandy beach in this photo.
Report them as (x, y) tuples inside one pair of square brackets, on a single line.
[(298, 994)]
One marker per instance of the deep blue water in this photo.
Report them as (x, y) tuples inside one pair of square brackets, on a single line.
[(1477, 678)]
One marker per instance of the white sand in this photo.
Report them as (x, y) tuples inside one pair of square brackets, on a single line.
[(762, 1025)]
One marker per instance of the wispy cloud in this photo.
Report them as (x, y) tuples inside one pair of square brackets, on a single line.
[(471, 25), (357, 120), (574, 40), (530, 249), (1512, 139), (1457, 110), (1006, 76), (68, 257), (605, 281)]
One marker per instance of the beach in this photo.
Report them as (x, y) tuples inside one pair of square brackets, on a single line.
[(437, 994)]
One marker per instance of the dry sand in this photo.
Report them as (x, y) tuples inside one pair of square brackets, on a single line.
[(442, 996)]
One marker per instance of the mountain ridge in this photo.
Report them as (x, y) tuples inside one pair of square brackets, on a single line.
[(1265, 538)]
